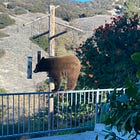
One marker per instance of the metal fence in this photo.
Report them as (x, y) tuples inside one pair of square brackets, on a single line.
[(42, 113)]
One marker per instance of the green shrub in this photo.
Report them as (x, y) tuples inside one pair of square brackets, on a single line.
[(136, 57), (2, 90), (11, 5), (42, 86), (37, 8), (68, 14), (41, 42), (20, 11), (5, 20), (3, 35), (101, 12)]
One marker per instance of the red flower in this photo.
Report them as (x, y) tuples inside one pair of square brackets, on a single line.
[(118, 51), (90, 75), (62, 95), (87, 62), (97, 48), (95, 81)]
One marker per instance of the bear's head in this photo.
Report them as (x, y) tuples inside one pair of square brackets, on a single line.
[(40, 66)]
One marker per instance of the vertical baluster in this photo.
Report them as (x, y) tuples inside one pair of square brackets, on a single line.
[(62, 109), (67, 110), (2, 116), (88, 106), (18, 114), (93, 112), (71, 110), (28, 113), (13, 119), (58, 111), (7, 115), (52, 112), (100, 103), (44, 99), (96, 108), (49, 127), (34, 113), (75, 118), (79, 120), (38, 112), (84, 108), (23, 112)]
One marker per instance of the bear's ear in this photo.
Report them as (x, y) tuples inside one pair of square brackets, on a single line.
[(42, 58)]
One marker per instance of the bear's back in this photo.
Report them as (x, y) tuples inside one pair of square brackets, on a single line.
[(64, 62)]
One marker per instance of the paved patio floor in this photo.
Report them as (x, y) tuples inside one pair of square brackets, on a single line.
[(89, 135)]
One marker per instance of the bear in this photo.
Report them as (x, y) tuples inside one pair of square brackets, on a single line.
[(60, 67)]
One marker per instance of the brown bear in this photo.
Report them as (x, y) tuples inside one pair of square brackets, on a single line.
[(61, 67)]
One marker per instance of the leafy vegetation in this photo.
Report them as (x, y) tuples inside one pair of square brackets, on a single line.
[(123, 110), (19, 11), (106, 56), (42, 42), (131, 6), (2, 90), (42, 86), (5, 20), (37, 7), (136, 57)]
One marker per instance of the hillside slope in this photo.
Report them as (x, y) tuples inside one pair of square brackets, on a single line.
[(13, 68)]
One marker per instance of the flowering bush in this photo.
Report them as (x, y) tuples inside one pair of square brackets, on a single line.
[(106, 56)]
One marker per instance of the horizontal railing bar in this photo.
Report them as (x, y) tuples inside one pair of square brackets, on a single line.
[(59, 92), (75, 107)]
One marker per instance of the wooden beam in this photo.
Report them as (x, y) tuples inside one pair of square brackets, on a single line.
[(39, 35), (51, 30), (74, 28), (30, 22), (58, 34), (51, 53)]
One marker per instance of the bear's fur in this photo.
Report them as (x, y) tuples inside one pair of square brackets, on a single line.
[(62, 67)]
